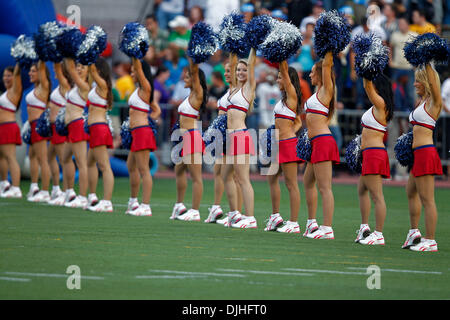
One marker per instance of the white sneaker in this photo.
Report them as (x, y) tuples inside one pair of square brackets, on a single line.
[(413, 238), (78, 202), (362, 233), (223, 221), (92, 200), (190, 215), (69, 197), (32, 192), (41, 196), (215, 212), (178, 209), (322, 233), (4, 186), (310, 228), (56, 192), (132, 205), (102, 206), (273, 222), (141, 211), (245, 223), (425, 245), (289, 227), (375, 238), (12, 192), (58, 201), (233, 217)]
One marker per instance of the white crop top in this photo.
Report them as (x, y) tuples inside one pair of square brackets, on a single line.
[(57, 98), (33, 101), (223, 102), (313, 105), (95, 100), (238, 101), (73, 97), (369, 121), (421, 117), (187, 110), (135, 102), (5, 104), (281, 110)]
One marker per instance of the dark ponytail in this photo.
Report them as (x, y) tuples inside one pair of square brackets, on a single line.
[(293, 76), (105, 72), (202, 77), (383, 87)]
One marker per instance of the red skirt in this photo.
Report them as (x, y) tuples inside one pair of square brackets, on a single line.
[(192, 142), (10, 133), (100, 135), (426, 161), (287, 151), (324, 148), (240, 142), (56, 138), (142, 139), (76, 131), (376, 161), (35, 137)]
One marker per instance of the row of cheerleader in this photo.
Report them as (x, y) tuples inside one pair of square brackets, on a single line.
[(300, 132)]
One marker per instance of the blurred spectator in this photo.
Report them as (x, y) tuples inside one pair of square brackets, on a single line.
[(317, 9), (180, 93), (307, 55), (217, 9), (124, 82), (157, 36), (195, 15), (374, 15), (180, 35), (175, 64), (168, 10), (390, 25), (267, 94), (161, 94), (402, 71), (446, 19), (279, 15), (420, 24), (298, 10), (399, 8), (217, 89), (248, 10), (445, 93)]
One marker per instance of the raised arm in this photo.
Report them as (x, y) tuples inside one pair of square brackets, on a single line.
[(72, 70), (196, 97), (15, 92), (291, 93), (144, 85), (251, 80), (373, 96), (435, 90), (101, 83), (62, 80), (326, 94), (233, 64), (42, 72)]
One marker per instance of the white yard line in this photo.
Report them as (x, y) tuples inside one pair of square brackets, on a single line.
[(401, 271), (267, 272), (15, 279), (51, 275), (326, 271), (199, 273)]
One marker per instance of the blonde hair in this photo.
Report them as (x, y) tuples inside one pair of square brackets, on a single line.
[(421, 76)]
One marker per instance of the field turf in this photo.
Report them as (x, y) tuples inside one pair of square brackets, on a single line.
[(125, 257)]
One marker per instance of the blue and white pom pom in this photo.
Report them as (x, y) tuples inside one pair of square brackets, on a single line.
[(45, 41), (331, 33), (282, 42), (153, 125), (304, 145), (266, 152), (69, 41), (23, 51), (60, 123), (353, 155), (134, 41), (43, 127), (203, 43), (403, 150), (232, 35), (427, 48), (125, 134), (258, 29), (371, 56), (26, 132), (94, 43), (218, 125)]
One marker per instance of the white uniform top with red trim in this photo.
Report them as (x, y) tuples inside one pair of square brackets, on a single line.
[(135, 102), (223, 102), (369, 121), (314, 105), (34, 102), (421, 117), (57, 98), (187, 110), (73, 97), (95, 100), (5, 104), (238, 102), (282, 111)]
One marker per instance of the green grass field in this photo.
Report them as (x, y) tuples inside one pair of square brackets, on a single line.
[(125, 257)]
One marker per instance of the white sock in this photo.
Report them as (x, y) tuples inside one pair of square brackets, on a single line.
[(69, 191), (145, 206), (378, 233), (14, 188), (82, 198), (45, 192), (34, 186), (363, 225), (275, 214), (309, 221)]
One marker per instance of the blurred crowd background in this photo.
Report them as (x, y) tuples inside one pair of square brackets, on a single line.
[(169, 24)]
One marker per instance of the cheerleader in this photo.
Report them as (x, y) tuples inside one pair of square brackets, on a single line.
[(375, 160), (99, 101), (420, 186), (143, 139), (287, 122), (10, 132), (58, 142), (193, 145), (324, 151), (77, 137), (36, 101), (239, 143), (215, 212)]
